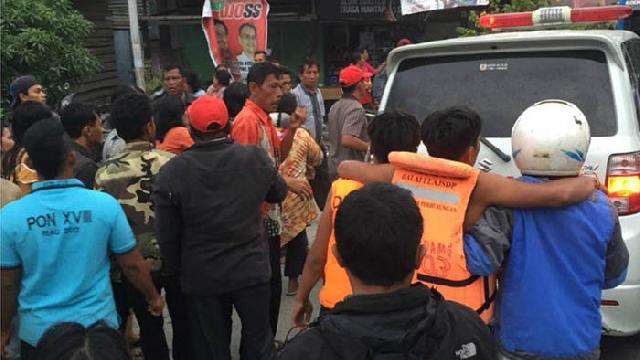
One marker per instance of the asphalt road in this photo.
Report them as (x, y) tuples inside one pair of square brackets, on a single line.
[(620, 348)]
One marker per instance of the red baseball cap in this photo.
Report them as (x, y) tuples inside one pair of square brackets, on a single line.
[(402, 42), (207, 110), (351, 75)]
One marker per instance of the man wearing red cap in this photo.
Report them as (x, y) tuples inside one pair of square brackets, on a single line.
[(348, 137), (210, 233)]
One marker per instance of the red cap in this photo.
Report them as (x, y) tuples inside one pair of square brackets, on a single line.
[(351, 75), (207, 110), (403, 42)]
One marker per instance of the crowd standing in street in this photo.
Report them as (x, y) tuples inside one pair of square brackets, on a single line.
[(196, 195)]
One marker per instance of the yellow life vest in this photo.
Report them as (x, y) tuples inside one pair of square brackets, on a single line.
[(442, 189), (336, 284)]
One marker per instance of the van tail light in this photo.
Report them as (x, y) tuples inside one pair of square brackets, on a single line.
[(553, 16), (609, 303), (623, 182)]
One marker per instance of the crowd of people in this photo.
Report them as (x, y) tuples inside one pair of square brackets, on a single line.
[(187, 199)]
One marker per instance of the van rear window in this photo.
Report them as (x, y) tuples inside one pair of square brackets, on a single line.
[(499, 86)]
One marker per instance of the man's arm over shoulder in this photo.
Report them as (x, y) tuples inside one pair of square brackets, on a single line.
[(617, 258), (487, 243), (493, 189), (365, 172)]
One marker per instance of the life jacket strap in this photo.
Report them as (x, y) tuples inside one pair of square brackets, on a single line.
[(446, 282), (488, 296)]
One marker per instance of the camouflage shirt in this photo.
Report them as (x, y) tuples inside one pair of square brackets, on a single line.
[(129, 178)]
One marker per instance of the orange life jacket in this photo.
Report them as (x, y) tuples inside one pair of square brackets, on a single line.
[(336, 284), (442, 189)]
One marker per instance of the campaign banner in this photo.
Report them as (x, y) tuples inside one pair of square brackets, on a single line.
[(235, 30), (415, 6)]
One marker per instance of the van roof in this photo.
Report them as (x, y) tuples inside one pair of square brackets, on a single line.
[(512, 40)]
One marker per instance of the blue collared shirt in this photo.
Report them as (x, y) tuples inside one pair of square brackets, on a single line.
[(304, 100), (61, 235)]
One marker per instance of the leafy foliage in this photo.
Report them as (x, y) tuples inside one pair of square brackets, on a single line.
[(45, 38), (498, 6)]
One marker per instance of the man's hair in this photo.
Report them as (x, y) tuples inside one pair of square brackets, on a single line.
[(378, 230), (308, 62), (259, 72), (348, 90), (260, 52), (130, 114), (393, 131), (123, 89), (22, 118), (47, 147), (69, 340), (448, 133), (192, 79), (25, 115), (213, 131), (168, 113), (354, 58), (285, 71), (287, 104), (170, 67), (245, 25), (220, 22), (235, 95), (223, 77), (76, 116)]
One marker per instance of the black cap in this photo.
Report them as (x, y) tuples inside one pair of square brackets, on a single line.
[(20, 85)]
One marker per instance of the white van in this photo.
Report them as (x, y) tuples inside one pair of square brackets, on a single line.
[(500, 75)]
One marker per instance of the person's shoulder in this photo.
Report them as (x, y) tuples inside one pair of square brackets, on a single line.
[(160, 157), (97, 199), (15, 207), (297, 90), (115, 168)]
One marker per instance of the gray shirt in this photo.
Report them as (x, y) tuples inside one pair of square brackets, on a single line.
[(304, 100), (346, 117)]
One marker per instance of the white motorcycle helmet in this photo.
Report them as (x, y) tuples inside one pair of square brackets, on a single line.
[(550, 138)]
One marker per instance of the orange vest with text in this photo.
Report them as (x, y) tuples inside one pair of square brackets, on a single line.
[(442, 189), (336, 284)]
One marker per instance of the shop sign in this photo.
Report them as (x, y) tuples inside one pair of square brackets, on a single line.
[(415, 6)]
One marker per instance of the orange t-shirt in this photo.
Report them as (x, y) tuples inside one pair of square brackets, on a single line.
[(175, 140)]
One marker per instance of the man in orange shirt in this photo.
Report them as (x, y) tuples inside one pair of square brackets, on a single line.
[(253, 126)]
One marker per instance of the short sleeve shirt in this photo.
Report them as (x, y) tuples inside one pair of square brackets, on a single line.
[(346, 117), (61, 235)]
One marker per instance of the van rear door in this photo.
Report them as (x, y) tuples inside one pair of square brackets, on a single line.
[(500, 85)]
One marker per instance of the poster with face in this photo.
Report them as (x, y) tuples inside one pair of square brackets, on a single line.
[(235, 30)]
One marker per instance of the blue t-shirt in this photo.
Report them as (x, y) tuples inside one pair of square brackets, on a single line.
[(61, 235)]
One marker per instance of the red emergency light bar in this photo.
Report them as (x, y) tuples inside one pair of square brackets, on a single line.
[(552, 16)]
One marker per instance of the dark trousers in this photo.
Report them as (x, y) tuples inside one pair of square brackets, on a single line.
[(296, 255), (153, 341), (275, 284), (210, 324), (321, 184), (27, 351)]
